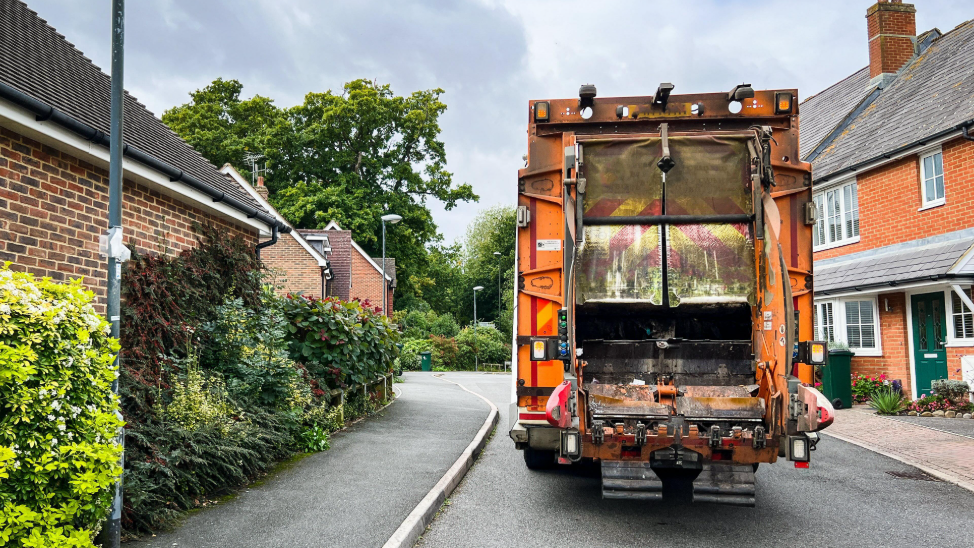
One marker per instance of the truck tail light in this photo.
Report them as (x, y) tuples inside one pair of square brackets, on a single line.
[(782, 102), (571, 444), (812, 352), (798, 448), (538, 351)]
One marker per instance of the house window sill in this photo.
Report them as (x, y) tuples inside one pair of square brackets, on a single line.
[(867, 352), (932, 205), (840, 243), (961, 343)]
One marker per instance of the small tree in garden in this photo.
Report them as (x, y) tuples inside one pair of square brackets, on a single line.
[(58, 456)]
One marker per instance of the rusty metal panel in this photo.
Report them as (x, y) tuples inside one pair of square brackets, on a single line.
[(620, 263), (625, 400), (711, 176), (720, 408), (710, 263)]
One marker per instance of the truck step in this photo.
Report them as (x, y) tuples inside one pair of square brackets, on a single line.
[(630, 480), (725, 484)]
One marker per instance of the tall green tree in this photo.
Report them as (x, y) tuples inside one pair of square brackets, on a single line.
[(493, 230), (350, 157), (223, 127)]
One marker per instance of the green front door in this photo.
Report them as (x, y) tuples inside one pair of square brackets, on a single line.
[(929, 338)]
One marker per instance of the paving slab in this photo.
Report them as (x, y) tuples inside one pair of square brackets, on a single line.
[(355, 494)]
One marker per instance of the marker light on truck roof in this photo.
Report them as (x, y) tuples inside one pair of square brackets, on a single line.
[(782, 102), (541, 111)]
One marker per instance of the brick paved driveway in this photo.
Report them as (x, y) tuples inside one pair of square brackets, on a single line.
[(947, 456)]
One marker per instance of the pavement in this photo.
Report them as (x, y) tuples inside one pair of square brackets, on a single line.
[(357, 493), (847, 498), (961, 427), (939, 446)]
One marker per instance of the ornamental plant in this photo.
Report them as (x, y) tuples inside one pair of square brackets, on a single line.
[(58, 452), (864, 387), (340, 342)]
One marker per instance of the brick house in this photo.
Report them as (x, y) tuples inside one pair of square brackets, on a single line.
[(54, 121), (297, 267), (893, 176), (355, 275)]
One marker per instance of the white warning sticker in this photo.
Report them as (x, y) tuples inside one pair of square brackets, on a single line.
[(767, 315), (768, 326), (549, 245)]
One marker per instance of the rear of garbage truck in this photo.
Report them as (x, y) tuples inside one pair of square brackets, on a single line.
[(663, 323)]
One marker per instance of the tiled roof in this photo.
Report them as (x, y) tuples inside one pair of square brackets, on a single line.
[(390, 269), (910, 261), (37, 60), (932, 94), (822, 112)]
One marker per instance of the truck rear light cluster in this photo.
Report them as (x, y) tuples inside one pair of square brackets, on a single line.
[(571, 444), (798, 448)]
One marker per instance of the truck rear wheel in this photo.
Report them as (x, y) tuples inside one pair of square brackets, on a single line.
[(538, 459)]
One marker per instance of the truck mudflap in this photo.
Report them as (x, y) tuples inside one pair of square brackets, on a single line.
[(717, 483)]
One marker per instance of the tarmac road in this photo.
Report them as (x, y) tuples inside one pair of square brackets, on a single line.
[(846, 498)]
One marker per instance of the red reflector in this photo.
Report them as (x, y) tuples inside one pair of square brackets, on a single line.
[(801, 464), (532, 416)]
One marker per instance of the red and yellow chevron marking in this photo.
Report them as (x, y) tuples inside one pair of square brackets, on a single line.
[(545, 317)]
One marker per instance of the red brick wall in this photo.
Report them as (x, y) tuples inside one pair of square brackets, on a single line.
[(366, 280), (294, 269), (895, 361), (889, 200), (889, 27), (53, 208)]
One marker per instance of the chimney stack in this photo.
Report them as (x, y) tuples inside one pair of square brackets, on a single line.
[(261, 189), (892, 38)]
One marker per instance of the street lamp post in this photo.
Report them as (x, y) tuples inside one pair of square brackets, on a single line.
[(392, 219), (499, 307), (476, 347)]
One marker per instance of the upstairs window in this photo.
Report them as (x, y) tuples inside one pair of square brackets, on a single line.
[(838, 217), (932, 179)]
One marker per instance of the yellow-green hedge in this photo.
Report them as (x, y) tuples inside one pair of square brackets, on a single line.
[(58, 455)]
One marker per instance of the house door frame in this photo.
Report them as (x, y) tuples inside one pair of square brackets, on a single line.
[(911, 343)]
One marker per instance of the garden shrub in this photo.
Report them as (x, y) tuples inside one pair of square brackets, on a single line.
[(341, 342), (864, 387), (951, 389), (444, 352), (58, 453), (488, 345), (887, 401), (409, 356)]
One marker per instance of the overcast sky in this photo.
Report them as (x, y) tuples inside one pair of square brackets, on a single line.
[(490, 56)]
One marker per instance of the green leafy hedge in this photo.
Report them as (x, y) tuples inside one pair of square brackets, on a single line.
[(58, 456), (343, 342)]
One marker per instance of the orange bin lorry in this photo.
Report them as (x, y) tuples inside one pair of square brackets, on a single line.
[(663, 323)]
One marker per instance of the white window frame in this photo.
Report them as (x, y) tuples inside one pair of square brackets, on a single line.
[(924, 203), (847, 211), (953, 341), (817, 321), (839, 324)]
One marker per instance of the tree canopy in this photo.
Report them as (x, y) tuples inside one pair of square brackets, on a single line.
[(350, 157)]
